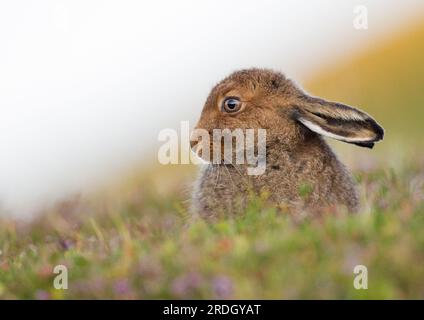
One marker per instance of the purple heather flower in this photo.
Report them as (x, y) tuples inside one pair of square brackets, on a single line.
[(185, 284), (66, 244), (42, 295), (122, 287), (222, 287)]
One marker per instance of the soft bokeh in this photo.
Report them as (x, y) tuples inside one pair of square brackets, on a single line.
[(85, 86), (88, 101)]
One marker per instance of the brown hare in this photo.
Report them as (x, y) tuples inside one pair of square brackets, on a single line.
[(302, 173)]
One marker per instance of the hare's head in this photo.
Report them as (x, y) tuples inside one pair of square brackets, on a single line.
[(265, 99)]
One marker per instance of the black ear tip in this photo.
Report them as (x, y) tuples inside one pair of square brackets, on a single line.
[(379, 130), (380, 133), (365, 144)]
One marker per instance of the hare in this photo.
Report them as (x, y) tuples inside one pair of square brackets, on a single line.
[(302, 173)]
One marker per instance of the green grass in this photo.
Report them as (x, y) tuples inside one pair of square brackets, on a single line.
[(139, 245), (138, 241)]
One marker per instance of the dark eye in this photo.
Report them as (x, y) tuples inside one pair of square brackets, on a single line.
[(231, 104)]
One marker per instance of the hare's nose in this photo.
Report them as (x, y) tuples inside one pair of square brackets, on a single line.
[(192, 143), (194, 138), (199, 135)]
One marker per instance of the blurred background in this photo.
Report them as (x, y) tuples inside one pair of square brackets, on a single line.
[(85, 89), (85, 86)]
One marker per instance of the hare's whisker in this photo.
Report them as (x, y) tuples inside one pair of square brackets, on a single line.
[(229, 174), (217, 176)]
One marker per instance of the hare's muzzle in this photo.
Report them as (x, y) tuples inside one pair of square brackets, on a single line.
[(194, 141), (200, 143)]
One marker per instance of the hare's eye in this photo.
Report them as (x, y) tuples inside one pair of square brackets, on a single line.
[(231, 104)]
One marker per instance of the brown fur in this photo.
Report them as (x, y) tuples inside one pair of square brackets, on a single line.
[(296, 155)]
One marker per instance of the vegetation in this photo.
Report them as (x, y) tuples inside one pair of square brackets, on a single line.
[(138, 241), (140, 246)]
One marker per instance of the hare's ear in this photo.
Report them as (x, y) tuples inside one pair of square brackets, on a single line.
[(338, 121)]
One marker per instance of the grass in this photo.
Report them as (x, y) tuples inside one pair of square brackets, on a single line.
[(140, 246), (138, 241)]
